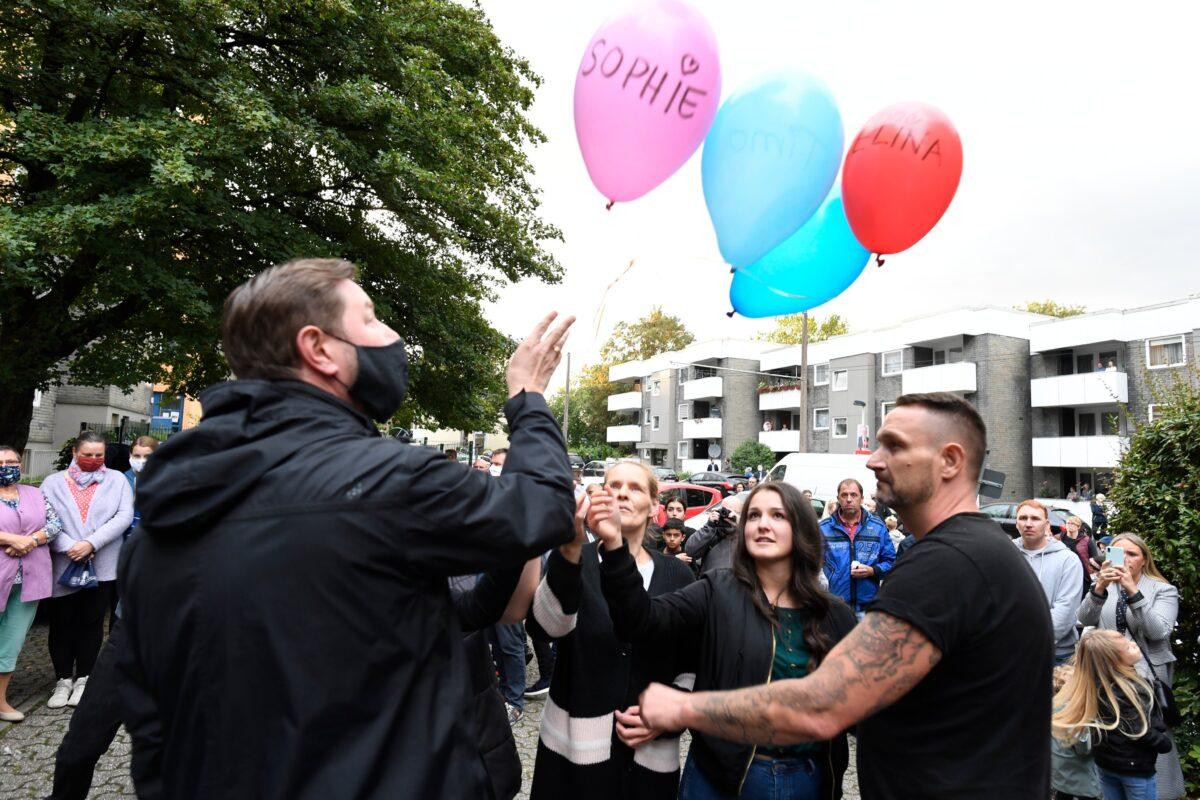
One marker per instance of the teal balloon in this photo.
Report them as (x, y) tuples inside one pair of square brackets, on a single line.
[(813, 266), (769, 160)]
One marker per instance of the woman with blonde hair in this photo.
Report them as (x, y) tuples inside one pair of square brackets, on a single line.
[(1135, 600), (1107, 699)]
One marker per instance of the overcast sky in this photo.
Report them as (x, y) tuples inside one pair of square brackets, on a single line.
[(1081, 139)]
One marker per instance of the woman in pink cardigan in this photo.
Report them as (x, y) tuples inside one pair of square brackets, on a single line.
[(27, 524)]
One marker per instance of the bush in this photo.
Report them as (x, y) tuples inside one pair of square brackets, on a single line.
[(1156, 490), (751, 454)]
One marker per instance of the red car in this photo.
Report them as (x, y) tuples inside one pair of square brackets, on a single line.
[(696, 499)]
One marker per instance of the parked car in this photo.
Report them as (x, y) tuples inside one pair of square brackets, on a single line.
[(724, 481), (593, 472), (697, 500), (664, 474), (576, 461), (1006, 515)]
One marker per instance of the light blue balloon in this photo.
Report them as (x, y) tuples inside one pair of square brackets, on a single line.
[(815, 265), (769, 160)]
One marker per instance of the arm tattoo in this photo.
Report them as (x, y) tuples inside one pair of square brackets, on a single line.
[(877, 663)]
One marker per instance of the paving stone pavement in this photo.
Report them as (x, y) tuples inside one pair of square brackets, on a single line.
[(27, 748)]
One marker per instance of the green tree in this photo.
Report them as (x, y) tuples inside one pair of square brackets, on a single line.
[(652, 334), (154, 155), (1051, 308), (790, 329), (1154, 491), (751, 454)]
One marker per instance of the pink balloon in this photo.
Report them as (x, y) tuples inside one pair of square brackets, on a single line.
[(645, 95)]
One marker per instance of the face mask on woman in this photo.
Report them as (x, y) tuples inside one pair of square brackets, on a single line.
[(89, 463), (136, 464), (10, 475)]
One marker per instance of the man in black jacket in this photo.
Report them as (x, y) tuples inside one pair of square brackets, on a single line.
[(290, 630)]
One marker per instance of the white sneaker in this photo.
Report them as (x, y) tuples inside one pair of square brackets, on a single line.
[(62, 692), (77, 692)]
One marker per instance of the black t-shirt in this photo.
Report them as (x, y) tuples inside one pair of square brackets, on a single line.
[(978, 725)]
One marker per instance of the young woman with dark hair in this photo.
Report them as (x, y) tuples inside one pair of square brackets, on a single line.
[(767, 618)]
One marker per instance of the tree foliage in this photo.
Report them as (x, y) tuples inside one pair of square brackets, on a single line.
[(751, 454), (790, 329), (155, 155), (1155, 491), (645, 338), (1051, 308)]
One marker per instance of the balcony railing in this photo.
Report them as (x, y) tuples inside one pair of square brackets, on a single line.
[(780, 441), (1078, 451), (705, 428), (775, 401), (703, 389), (1085, 389), (957, 377), (625, 401), (624, 434)]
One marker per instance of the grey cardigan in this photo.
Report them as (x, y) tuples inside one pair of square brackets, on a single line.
[(108, 518), (1150, 620)]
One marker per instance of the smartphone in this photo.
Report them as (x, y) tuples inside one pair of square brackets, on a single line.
[(1115, 556)]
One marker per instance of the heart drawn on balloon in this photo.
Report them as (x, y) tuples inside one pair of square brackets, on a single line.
[(688, 64)]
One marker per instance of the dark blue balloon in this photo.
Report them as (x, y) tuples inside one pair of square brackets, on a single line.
[(813, 266)]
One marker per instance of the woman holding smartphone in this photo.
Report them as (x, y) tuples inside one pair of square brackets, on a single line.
[(1132, 597), (766, 619)]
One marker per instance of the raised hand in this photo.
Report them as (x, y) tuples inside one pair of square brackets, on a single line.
[(573, 549), (602, 518), (536, 358)]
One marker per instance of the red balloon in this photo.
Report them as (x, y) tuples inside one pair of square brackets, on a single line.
[(900, 176)]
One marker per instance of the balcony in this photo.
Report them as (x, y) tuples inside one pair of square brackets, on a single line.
[(703, 389), (625, 401), (624, 434), (706, 428), (780, 441), (1085, 389), (775, 401), (959, 377), (1078, 451)]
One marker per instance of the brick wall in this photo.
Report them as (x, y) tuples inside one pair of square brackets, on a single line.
[(1141, 379), (1002, 397), (741, 419)]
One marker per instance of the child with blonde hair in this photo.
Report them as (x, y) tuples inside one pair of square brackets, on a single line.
[(1072, 767), (1105, 699)]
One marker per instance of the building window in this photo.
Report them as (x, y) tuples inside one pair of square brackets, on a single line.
[(655, 425), (840, 380), (1165, 352), (893, 362), (821, 375), (939, 357), (681, 449), (645, 384), (820, 419), (37, 397), (955, 355), (656, 388), (1152, 412), (683, 374), (839, 427), (884, 410), (646, 415), (681, 412)]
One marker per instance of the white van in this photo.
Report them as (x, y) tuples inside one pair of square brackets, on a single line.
[(821, 473)]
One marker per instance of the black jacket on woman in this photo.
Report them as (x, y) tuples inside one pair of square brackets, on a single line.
[(737, 648), (579, 756), (1117, 751), (480, 603)]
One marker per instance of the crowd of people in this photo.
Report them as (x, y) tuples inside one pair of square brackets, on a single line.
[(311, 610)]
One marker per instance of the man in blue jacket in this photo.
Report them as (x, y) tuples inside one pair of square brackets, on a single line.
[(858, 550)]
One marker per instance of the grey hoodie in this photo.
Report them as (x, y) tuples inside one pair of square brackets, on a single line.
[(1060, 573)]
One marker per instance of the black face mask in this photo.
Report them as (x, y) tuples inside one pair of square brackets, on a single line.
[(382, 378)]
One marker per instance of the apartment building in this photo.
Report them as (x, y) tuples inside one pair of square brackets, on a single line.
[(981, 353), (679, 407), (1058, 396), (1094, 378), (59, 411)]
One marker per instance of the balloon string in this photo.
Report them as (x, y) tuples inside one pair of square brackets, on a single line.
[(878, 260), (610, 205), (730, 314)]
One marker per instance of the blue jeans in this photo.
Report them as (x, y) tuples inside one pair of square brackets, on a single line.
[(510, 656), (776, 779), (1127, 787)]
